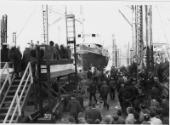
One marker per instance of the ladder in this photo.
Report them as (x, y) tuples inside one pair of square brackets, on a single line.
[(15, 97), (71, 35)]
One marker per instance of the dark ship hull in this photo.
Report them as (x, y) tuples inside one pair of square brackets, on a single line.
[(90, 59), (92, 56)]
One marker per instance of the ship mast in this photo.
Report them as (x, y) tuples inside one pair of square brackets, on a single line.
[(82, 23), (45, 24), (14, 38), (149, 42), (142, 16), (139, 35)]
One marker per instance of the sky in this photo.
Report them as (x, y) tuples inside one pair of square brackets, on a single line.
[(103, 18)]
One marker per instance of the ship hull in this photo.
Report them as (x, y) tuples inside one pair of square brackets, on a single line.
[(86, 60)]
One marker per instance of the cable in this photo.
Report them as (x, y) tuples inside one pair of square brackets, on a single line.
[(162, 23), (28, 19)]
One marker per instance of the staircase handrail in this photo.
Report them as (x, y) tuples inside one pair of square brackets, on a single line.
[(5, 66), (7, 78), (17, 97)]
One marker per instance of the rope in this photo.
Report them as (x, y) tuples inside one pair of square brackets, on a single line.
[(28, 19), (162, 23)]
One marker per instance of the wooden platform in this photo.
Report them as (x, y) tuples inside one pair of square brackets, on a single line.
[(58, 67), (58, 70)]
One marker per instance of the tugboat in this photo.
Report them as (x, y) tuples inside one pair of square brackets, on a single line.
[(92, 55)]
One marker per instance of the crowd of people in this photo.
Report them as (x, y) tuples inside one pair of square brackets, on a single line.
[(142, 98), (141, 101), (20, 60)]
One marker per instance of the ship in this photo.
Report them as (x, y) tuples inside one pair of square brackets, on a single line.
[(92, 54)]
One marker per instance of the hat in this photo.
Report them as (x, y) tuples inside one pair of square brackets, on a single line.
[(108, 119), (115, 117), (71, 119)]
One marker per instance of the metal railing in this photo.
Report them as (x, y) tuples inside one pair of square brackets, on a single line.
[(7, 78), (17, 104)]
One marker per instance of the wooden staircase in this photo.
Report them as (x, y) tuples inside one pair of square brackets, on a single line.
[(15, 97)]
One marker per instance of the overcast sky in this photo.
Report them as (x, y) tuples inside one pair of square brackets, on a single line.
[(25, 18)]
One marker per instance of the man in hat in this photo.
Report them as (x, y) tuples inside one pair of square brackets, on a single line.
[(15, 57), (92, 91), (92, 115), (74, 108)]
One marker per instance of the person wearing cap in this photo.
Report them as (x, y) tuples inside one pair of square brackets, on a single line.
[(15, 57), (50, 52), (129, 94), (74, 108), (120, 96), (112, 85), (71, 120), (92, 91), (146, 120), (92, 115), (89, 74), (26, 55), (108, 119), (120, 119), (143, 111), (116, 119)]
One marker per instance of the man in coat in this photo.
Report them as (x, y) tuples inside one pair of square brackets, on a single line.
[(104, 93), (112, 85), (92, 91), (4, 53), (15, 57), (92, 115), (74, 108)]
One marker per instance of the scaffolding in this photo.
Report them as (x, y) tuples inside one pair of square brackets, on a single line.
[(4, 29), (45, 23), (71, 35)]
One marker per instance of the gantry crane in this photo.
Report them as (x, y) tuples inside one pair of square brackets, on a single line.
[(141, 35), (71, 35)]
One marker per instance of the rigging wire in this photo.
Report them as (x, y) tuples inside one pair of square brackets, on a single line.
[(27, 21), (162, 23)]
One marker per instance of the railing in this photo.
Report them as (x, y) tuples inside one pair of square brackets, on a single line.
[(16, 102), (7, 78)]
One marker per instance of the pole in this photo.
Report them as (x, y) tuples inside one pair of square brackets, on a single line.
[(75, 53), (47, 23), (38, 83), (6, 17), (66, 24), (43, 23), (151, 42), (133, 34), (147, 40), (0, 33), (14, 38)]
